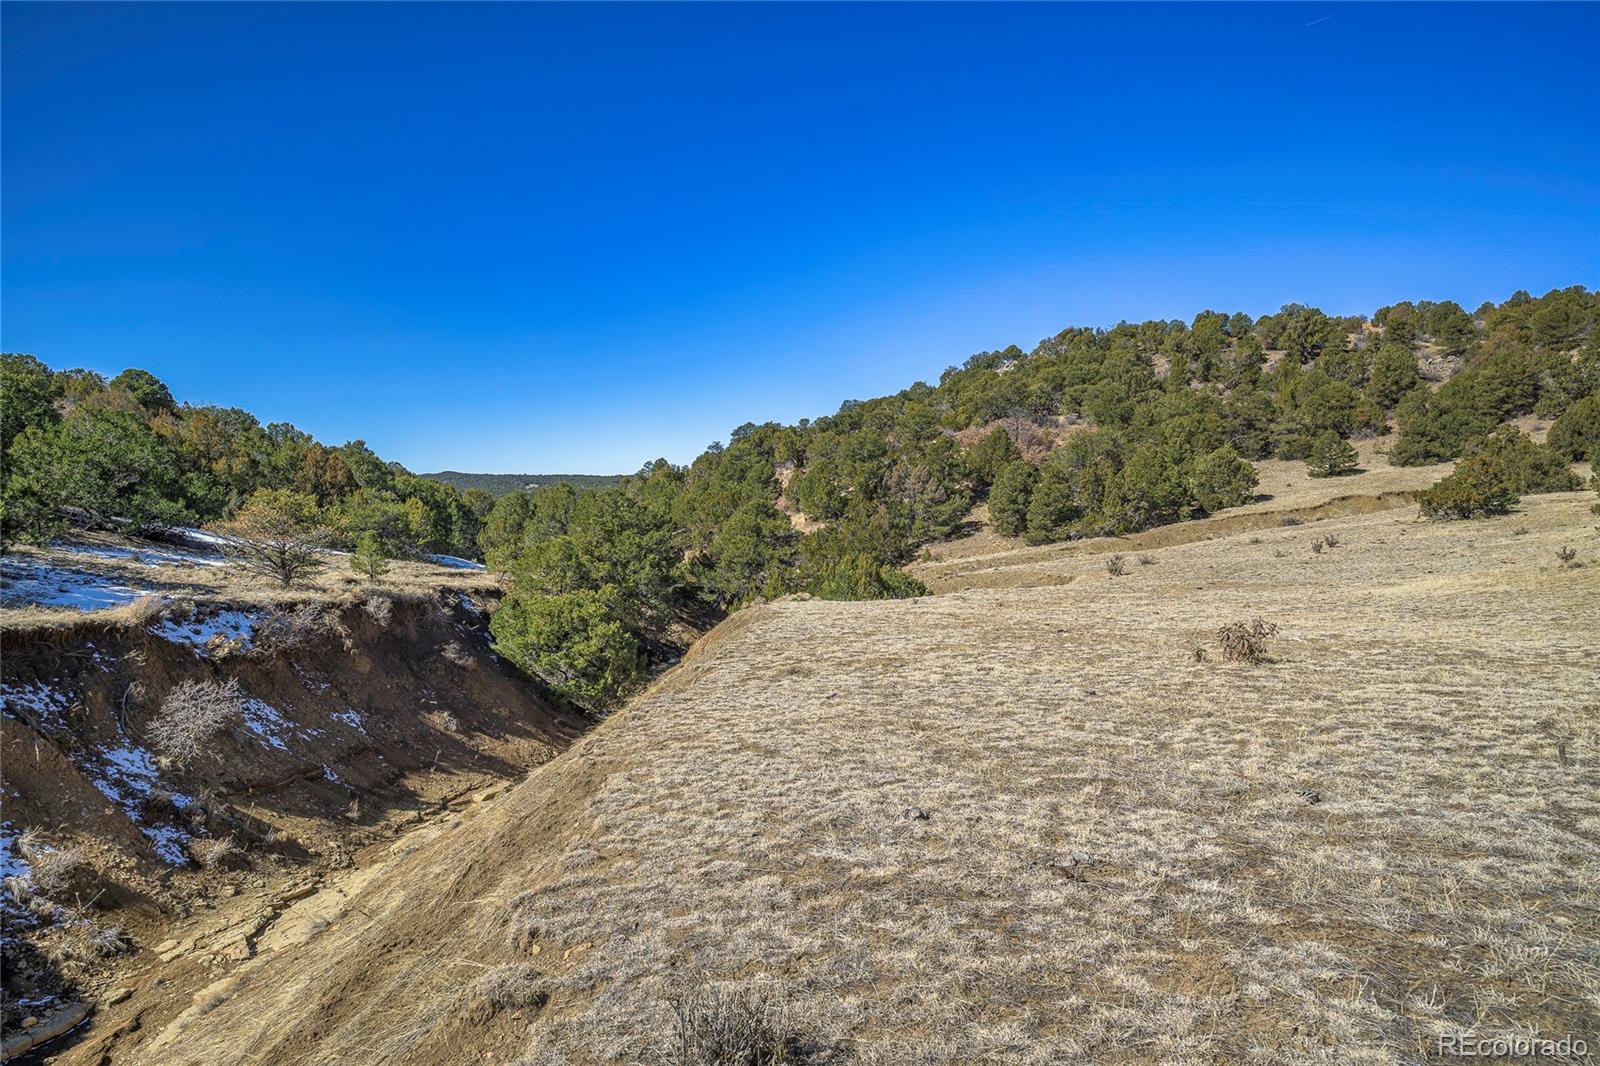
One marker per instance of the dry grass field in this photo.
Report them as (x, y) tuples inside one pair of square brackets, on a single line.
[(117, 569), (1029, 825)]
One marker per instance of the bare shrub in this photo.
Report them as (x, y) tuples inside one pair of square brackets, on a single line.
[(1116, 566), (1330, 541), (1568, 555), (1289, 520), (193, 713), (380, 608), (141, 612), (718, 1025), (508, 987), (1245, 642), (300, 625), (55, 872), (1316, 547), (106, 941), (1147, 560), (450, 723), (276, 534), (455, 653), (216, 852)]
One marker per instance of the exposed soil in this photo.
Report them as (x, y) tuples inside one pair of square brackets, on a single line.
[(351, 743)]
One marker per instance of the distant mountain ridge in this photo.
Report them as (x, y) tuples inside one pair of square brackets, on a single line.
[(500, 484)]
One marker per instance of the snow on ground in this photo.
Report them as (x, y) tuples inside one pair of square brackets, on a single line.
[(352, 718), (127, 777), (11, 863), (26, 582), (197, 632), (264, 721), (42, 700), (454, 562), (196, 536), (470, 605), (143, 556)]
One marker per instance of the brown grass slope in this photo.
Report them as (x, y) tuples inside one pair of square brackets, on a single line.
[(1026, 825)]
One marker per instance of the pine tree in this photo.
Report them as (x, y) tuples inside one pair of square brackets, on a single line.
[(370, 558), (1331, 456)]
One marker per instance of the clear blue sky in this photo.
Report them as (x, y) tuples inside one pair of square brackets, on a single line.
[(574, 238)]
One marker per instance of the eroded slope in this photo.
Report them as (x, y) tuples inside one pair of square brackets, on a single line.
[(1028, 825)]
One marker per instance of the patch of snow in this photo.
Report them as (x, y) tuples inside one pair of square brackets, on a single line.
[(31, 582), (470, 605), (454, 562), (11, 864), (352, 718), (264, 721), (44, 701), (327, 772), (142, 556), (198, 632), (311, 683), (128, 776), (169, 843), (197, 536)]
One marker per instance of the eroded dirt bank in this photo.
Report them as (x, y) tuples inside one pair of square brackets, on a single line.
[(135, 880)]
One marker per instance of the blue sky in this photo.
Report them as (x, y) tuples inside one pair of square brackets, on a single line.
[(573, 238)]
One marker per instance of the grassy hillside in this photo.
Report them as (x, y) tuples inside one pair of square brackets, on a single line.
[(1031, 824), (500, 484)]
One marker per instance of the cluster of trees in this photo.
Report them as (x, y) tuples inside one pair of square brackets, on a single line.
[(123, 454), (1142, 425)]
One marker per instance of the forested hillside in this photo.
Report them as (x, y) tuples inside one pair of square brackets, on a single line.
[(500, 484), (1094, 432)]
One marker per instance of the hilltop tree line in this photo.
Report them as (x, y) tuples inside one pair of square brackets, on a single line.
[(1094, 432), (82, 450)]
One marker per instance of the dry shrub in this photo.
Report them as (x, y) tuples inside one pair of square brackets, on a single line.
[(1330, 541), (216, 852), (1245, 642), (380, 608), (304, 623), (1116, 566), (1316, 547), (1289, 520), (455, 653), (84, 943), (450, 723), (106, 941), (745, 1025), (141, 612), (1568, 556), (1147, 560), (54, 872), (193, 713), (510, 987)]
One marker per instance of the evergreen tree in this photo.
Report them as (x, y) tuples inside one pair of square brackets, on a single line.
[(1331, 456), (370, 557), (1010, 498)]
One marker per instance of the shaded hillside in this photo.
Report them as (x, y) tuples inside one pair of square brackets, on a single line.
[(500, 484), (1031, 825)]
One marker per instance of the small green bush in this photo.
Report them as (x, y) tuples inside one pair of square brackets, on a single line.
[(1010, 498), (1470, 492), (1331, 456)]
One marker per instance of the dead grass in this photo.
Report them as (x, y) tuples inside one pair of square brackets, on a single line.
[(178, 581), (1388, 832)]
